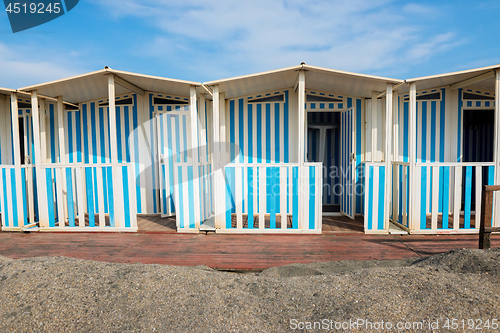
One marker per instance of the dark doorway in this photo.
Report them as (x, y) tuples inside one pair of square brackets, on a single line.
[(478, 135), (21, 139)]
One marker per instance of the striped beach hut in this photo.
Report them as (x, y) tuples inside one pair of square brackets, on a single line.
[(271, 152)]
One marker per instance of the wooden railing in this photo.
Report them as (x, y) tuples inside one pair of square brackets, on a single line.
[(486, 229)]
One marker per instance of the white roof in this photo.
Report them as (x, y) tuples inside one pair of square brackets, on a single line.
[(317, 78), (434, 81), (94, 85)]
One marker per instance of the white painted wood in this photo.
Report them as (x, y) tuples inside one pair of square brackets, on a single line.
[(301, 92), (388, 153), (117, 182), (374, 127), (413, 209), (2, 201), (62, 149), (457, 197), (496, 158), (127, 85), (185, 195), (79, 190), (217, 179), (237, 195), (17, 157), (404, 190), (60, 197), (472, 80), (479, 177), (435, 197)]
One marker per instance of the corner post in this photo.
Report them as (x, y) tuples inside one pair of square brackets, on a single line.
[(17, 161), (195, 154), (301, 91), (496, 151), (413, 210), (218, 189), (117, 182), (388, 153)]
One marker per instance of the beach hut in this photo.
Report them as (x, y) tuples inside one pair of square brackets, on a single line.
[(272, 152)]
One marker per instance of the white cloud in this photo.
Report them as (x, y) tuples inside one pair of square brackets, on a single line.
[(19, 69), (242, 36)]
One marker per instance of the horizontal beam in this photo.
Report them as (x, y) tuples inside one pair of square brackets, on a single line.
[(472, 80), (127, 85), (208, 90), (394, 87)]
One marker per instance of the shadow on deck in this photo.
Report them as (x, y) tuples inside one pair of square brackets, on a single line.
[(331, 224)]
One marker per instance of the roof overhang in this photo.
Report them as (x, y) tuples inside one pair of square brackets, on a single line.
[(317, 78), (94, 85), (480, 79)]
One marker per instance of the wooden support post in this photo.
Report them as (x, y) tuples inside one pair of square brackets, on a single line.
[(193, 111), (412, 136), (301, 91), (217, 180), (496, 153), (118, 199), (374, 127), (17, 161), (43, 136), (388, 153), (486, 208), (62, 156)]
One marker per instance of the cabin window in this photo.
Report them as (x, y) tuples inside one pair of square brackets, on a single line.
[(168, 101), (275, 98), (125, 101)]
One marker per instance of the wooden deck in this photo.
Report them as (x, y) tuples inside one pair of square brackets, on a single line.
[(245, 252), (331, 224)]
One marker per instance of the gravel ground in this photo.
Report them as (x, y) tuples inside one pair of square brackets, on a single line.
[(65, 294)]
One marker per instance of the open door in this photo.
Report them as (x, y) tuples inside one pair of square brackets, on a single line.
[(348, 162), (173, 143)]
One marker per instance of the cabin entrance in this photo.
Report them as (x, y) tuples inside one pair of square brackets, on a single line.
[(330, 141)]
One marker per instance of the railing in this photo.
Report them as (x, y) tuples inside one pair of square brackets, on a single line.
[(485, 228), (268, 198), (17, 204), (400, 193), (82, 196), (447, 196)]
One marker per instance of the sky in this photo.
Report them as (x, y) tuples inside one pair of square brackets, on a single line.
[(207, 40)]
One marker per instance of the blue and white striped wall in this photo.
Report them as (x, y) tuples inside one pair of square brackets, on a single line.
[(374, 215)]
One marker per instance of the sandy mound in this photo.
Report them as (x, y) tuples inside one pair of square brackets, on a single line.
[(64, 294)]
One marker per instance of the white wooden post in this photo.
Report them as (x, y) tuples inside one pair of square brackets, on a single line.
[(116, 170), (496, 210), (43, 218), (301, 91), (217, 188), (388, 153), (17, 159), (62, 155), (374, 127), (413, 211), (43, 136), (195, 154), (224, 156)]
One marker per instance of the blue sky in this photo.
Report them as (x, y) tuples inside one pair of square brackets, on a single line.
[(208, 40)]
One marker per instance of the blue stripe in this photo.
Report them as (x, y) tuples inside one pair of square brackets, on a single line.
[(241, 130), (295, 197), (433, 131), (405, 132), (229, 193), (358, 155), (52, 136), (177, 138), (101, 135), (250, 197), (277, 133), (170, 164), (312, 197), (184, 133), (191, 195), (468, 192), (23, 189), (111, 205), (126, 202), (446, 195), (180, 209), (118, 134), (232, 129), (268, 133), (69, 188), (423, 198), (370, 195), (14, 197), (152, 143), (136, 157), (126, 133), (94, 132), (70, 136), (85, 134), (50, 197), (5, 205), (250, 133), (381, 195), (259, 133), (424, 132), (459, 133), (285, 129), (90, 197)]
